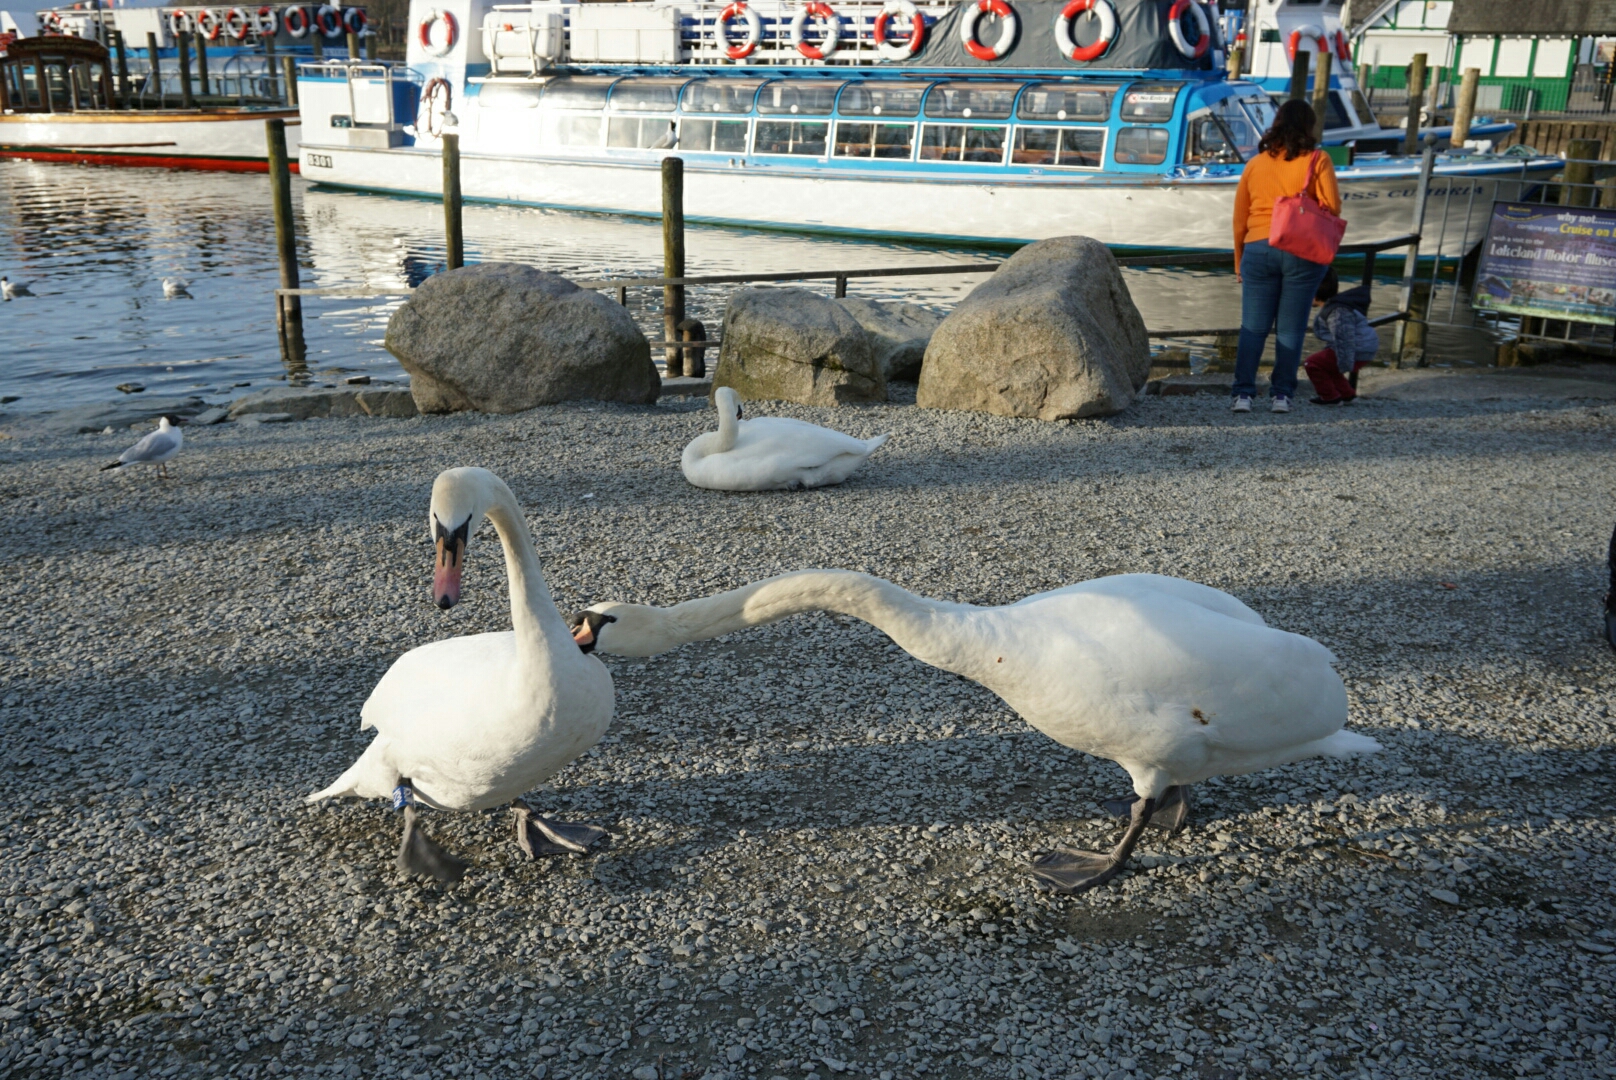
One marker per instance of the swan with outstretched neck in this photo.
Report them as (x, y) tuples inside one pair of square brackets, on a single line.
[(473, 722), (770, 453), (1173, 680)]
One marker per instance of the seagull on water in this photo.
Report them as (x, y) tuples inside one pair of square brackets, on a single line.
[(154, 449), (176, 289), (13, 289)]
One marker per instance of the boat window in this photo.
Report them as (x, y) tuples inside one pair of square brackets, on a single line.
[(570, 129), (584, 92), (881, 99), (1082, 148), (1150, 103), (809, 99), (962, 142), (1223, 135), (806, 138), (522, 95), (56, 83), (1065, 101), (1335, 113), (1141, 146), (733, 96), (978, 101), (1262, 110), (639, 132), (647, 95), (862, 139), (714, 136)]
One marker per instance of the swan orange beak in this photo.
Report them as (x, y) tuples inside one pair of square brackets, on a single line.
[(583, 634), (451, 556)]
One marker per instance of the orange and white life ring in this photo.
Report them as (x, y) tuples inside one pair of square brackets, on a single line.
[(179, 23), (50, 23), (451, 32), (1343, 48), (427, 111), (833, 31), (238, 24), (354, 20), (1007, 29), (329, 19), (1312, 33), (208, 24), (296, 21), (1175, 29), (754, 30), (267, 23), (1108, 29), (899, 50)]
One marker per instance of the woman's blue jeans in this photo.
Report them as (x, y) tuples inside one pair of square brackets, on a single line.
[(1277, 293)]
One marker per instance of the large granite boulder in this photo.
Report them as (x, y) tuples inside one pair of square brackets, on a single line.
[(795, 345), (898, 334), (1053, 334), (502, 337)]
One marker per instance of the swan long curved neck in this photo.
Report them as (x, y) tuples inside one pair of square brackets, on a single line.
[(729, 428), (533, 612), (929, 630)]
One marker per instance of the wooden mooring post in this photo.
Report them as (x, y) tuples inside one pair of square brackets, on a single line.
[(288, 308), (1299, 68), (1416, 98), (353, 46), (673, 259), (202, 64), (156, 68), (289, 68), (454, 237), (1577, 188), (182, 42), (1321, 94), (1465, 111), (122, 52)]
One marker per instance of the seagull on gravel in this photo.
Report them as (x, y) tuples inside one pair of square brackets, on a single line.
[(154, 449), (175, 289), (10, 290)]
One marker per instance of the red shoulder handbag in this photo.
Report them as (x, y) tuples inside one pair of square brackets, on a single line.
[(1305, 228)]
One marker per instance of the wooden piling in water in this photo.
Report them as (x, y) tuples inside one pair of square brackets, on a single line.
[(202, 63), (673, 258), (289, 67), (123, 68), (156, 68), (182, 42), (1299, 68), (1237, 60), (370, 48), (695, 357), (1416, 98), (353, 46), (1321, 94), (1577, 187), (1465, 111), (454, 237), (288, 309)]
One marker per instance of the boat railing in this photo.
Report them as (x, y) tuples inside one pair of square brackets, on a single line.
[(704, 39)]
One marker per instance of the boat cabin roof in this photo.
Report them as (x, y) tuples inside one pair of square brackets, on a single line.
[(55, 47)]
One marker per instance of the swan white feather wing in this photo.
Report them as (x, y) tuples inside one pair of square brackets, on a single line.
[(776, 452)]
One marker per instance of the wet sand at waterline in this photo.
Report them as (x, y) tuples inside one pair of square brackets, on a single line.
[(819, 863)]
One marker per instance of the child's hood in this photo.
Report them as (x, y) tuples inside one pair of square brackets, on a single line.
[(1356, 298)]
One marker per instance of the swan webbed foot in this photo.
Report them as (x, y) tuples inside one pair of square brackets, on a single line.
[(419, 854), (1172, 809), (538, 836), (1077, 871)]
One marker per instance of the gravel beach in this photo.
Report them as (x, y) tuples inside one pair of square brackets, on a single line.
[(819, 845)]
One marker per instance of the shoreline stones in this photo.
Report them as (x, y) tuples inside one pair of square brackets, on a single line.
[(1053, 334), (303, 403), (503, 338), (795, 345), (898, 334)]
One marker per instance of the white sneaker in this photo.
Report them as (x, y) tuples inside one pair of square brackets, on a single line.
[(1281, 404), (1241, 404)]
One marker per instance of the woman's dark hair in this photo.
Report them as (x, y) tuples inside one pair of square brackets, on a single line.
[(1329, 285), (1292, 130)]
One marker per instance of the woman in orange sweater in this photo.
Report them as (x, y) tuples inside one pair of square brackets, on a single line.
[(1276, 287)]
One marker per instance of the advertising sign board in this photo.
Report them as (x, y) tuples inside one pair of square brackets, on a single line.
[(1556, 262)]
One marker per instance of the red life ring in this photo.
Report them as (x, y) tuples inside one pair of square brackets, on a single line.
[(208, 24), (899, 50), (50, 23), (1007, 32), (451, 32), (238, 24), (1343, 50), (300, 28), (268, 24), (1108, 29), (333, 28), (179, 23), (833, 35), (354, 20), (1175, 29), (754, 30), (1296, 41)]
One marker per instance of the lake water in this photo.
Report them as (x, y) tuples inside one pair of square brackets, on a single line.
[(96, 243)]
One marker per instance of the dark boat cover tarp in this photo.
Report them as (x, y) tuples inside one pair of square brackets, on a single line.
[(1141, 42)]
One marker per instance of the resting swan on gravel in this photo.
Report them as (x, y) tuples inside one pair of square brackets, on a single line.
[(472, 722), (771, 452), (1173, 680)]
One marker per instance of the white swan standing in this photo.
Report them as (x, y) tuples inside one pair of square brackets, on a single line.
[(770, 453), (1173, 680), (157, 448), (473, 722)]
